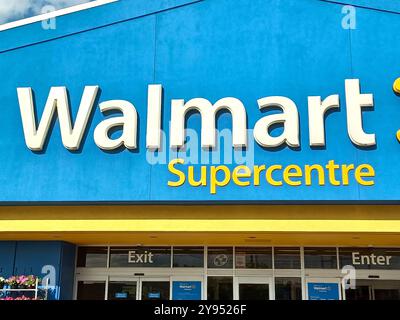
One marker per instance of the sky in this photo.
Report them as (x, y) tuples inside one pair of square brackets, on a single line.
[(11, 10)]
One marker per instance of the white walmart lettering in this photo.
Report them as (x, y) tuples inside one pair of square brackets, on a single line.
[(71, 134)]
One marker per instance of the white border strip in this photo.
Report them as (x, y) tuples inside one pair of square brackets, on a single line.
[(57, 13)]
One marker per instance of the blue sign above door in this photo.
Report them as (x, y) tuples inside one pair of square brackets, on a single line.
[(323, 291), (186, 290)]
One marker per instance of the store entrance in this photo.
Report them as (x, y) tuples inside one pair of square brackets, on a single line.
[(138, 288), (160, 288), (252, 288), (374, 290)]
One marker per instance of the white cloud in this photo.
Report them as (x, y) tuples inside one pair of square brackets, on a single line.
[(17, 9)]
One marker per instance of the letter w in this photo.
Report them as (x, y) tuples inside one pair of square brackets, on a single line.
[(71, 135)]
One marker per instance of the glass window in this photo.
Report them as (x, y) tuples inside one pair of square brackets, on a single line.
[(370, 258), (220, 258), (92, 257), (253, 291), (122, 290), (154, 257), (155, 290), (386, 290), (253, 258), (185, 257), (91, 290), (219, 288), (288, 288), (359, 293), (320, 258), (287, 258), (374, 290)]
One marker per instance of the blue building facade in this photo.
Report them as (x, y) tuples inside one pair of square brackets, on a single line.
[(265, 58)]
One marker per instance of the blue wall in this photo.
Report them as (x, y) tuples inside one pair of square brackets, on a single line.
[(29, 257), (247, 49), (7, 258)]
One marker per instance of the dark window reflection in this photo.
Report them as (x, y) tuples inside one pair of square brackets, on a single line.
[(374, 290), (188, 257), (359, 293), (155, 290), (91, 290), (253, 258), (119, 290), (253, 291), (220, 258), (287, 258), (288, 288), (220, 288), (92, 257), (320, 258), (387, 294)]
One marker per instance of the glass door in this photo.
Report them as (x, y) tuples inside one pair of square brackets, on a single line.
[(386, 290), (155, 289), (123, 288), (252, 288), (91, 288), (360, 292), (374, 290), (138, 288)]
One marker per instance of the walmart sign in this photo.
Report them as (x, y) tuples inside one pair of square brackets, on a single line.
[(72, 133), (111, 108)]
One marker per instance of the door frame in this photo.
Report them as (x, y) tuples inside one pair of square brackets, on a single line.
[(122, 279), (237, 280), (92, 278), (374, 284), (154, 279), (139, 280)]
